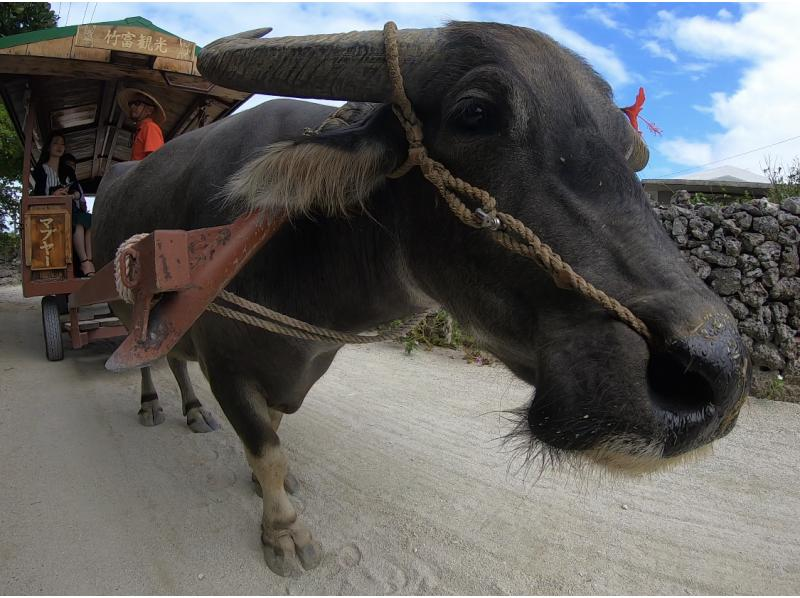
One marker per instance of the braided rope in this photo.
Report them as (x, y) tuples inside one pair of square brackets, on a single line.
[(123, 264), (273, 321), (261, 317), (450, 188)]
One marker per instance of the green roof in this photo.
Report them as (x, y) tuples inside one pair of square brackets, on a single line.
[(43, 35)]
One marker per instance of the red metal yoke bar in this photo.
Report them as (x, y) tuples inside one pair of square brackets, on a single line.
[(174, 275), (166, 250)]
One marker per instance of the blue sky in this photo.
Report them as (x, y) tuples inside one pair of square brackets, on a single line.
[(721, 78)]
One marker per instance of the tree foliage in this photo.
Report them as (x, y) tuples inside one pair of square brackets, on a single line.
[(10, 171), (21, 17), (10, 148), (16, 17)]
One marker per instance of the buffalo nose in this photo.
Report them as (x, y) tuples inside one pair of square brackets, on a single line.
[(698, 382)]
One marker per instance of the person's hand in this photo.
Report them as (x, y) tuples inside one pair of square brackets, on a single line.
[(61, 191)]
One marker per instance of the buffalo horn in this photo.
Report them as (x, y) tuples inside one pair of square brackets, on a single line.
[(344, 66), (638, 154)]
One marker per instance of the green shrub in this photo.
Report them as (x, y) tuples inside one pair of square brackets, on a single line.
[(776, 390), (784, 183), (439, 329), (9, 246)]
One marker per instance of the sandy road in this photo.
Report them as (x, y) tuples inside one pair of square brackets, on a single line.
[(401, 478)]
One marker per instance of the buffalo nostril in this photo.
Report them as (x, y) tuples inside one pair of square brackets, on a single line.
[(701, 373), (676, 386)]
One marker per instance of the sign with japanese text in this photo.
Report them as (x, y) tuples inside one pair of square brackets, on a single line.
[(134, 39), (47, 240)]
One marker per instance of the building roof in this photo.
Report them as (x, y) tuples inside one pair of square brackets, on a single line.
[(727, 173)]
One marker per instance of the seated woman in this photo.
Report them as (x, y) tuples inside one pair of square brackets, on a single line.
[(54, 176)]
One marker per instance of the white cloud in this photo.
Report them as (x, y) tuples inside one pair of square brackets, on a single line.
[(696, 67), (658, 51), (763, 109), (598, 14), (603, 17), (764, 31), (703, 109), (664, 93), (682, 151)]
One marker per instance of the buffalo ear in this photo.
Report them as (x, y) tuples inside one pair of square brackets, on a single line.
[(332, 170)]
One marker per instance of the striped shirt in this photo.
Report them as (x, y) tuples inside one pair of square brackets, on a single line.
[(52, 179)]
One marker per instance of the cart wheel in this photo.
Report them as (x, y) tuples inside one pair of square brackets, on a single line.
[(53, 345)]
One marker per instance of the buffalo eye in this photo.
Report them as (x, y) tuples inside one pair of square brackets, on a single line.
[(471, 115)]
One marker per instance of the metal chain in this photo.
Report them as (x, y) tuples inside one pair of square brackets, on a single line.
[(505, 229)]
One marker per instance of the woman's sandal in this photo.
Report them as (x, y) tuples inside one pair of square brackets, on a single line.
[(83, 270)]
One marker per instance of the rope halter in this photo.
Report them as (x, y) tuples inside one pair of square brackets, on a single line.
[(504, 228)]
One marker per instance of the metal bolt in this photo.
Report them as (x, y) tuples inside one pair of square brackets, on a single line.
[(487, 220)]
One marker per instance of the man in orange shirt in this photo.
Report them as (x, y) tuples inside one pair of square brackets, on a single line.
[(148, 114)]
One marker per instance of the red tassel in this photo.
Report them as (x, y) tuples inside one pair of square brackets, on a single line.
[(652, 126), (633, 111), (633, 114)]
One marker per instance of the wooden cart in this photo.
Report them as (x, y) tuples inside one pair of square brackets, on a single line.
[(67, 79)]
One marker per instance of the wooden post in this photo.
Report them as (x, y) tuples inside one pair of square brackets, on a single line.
[(30, 111), (110, 152), (104, 123), (26, 175)]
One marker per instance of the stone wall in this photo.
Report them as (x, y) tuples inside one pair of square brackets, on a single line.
[(748, 253)]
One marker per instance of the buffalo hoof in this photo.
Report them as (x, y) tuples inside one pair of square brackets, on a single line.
[(200, 420), (151, 413), (290, 484), (287, 550)]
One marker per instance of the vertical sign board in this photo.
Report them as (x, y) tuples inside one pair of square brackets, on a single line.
[(47, 239), (138, 40)]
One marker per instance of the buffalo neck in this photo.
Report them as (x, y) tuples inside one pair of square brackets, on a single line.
[(345, 273)]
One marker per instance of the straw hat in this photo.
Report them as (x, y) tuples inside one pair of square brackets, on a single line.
[(129, 94)]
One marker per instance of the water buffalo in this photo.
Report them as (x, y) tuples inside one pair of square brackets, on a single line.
[(510, 111)]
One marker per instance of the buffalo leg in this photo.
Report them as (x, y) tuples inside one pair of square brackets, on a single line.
[(284, 538), (198, 418), (150, 411), (286, 541), (290, 482)]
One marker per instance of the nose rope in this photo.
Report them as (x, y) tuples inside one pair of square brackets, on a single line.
[(504, 228)]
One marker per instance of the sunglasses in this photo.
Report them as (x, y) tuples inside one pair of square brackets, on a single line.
[(135, 103)]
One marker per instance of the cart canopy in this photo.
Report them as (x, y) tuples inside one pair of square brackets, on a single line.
[(71, 76)]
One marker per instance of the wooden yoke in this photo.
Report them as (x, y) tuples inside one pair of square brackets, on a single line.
[(173, 276)]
